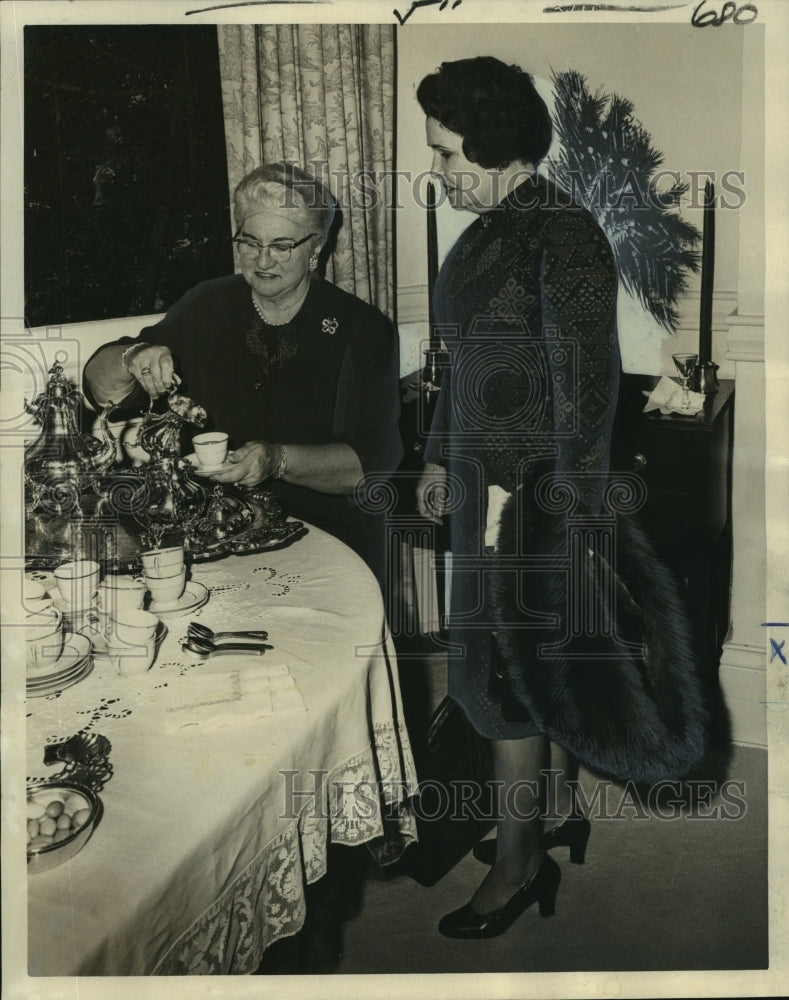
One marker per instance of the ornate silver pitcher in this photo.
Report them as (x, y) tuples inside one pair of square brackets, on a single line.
[(57, 461), (171, 498)]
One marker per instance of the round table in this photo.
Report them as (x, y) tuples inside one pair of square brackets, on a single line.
[(219, 811)]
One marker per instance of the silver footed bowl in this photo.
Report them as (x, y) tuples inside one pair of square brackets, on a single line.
[(79, 803)]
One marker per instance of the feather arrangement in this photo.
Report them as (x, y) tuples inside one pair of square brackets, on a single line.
[(608, 164)]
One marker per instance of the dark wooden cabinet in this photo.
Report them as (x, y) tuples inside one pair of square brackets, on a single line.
[(685, 463)]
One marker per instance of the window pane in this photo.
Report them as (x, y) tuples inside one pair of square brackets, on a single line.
[(126, 200)]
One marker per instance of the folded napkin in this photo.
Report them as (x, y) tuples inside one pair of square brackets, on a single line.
[(233, 697), (667, 397)]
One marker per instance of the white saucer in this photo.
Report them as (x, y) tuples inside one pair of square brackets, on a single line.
[(60, 685), (68, 612), (194, 596), (207, 470), (57, 682), (75, 649)]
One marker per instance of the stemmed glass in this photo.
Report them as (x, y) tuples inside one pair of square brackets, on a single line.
[(686, 364)]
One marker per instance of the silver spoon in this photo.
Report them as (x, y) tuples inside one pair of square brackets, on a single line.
[(199, 651), (202, 645), (199, 631)]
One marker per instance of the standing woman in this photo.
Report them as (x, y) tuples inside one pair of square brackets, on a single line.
[(526, 304)]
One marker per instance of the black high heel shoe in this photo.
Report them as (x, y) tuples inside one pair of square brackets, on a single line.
[(541, 889), (573, 833)]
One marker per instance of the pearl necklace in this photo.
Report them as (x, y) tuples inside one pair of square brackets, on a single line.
[(269, 322)]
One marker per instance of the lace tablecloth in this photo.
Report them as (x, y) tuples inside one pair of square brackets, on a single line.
[(210, 834)]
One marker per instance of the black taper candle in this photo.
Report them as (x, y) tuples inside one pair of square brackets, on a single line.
[(707, 275), (432, 262)]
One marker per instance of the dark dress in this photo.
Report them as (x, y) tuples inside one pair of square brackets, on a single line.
[(526, 305), (330, 375)]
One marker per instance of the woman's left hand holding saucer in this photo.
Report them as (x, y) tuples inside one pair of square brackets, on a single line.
[(250, 464)]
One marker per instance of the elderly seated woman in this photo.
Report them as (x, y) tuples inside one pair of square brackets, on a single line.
[(302, 375)]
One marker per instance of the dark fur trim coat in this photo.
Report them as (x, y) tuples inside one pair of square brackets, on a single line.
[(634, 708)]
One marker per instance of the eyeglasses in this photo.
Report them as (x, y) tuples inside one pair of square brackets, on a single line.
[(279, 251)]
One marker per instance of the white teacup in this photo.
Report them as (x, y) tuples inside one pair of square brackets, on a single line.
[(42, 620), (35, 597), (44, 635), (33, 590), (210, 448), (131, 661), (163, 562), (120, 592), (166, 589), (131, 627), (77, 583), (86, 621)]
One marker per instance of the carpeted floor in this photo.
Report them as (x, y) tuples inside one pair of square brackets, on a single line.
[(687, 893), (683, 892)]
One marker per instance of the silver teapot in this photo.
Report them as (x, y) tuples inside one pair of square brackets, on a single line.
[(58, 461)]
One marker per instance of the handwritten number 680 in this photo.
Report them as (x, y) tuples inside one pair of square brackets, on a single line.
[(738, 14)]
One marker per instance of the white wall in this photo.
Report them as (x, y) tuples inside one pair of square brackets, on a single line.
[(743, 664), (73, 344)]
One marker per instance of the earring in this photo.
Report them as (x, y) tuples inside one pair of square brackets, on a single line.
[(313, 262)]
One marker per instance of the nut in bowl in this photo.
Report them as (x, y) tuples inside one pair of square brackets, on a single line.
[(61, 816)]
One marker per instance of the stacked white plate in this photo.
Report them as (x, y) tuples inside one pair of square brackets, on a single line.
[(73, 664)]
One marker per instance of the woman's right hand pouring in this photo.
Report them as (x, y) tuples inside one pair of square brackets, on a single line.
[(152, 366)]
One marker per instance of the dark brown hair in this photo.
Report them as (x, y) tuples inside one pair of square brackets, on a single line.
[(495, 107)]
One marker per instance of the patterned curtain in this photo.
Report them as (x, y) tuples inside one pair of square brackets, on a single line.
[(321, 95)]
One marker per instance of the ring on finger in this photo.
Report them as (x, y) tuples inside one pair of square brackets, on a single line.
[(145, 371)]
